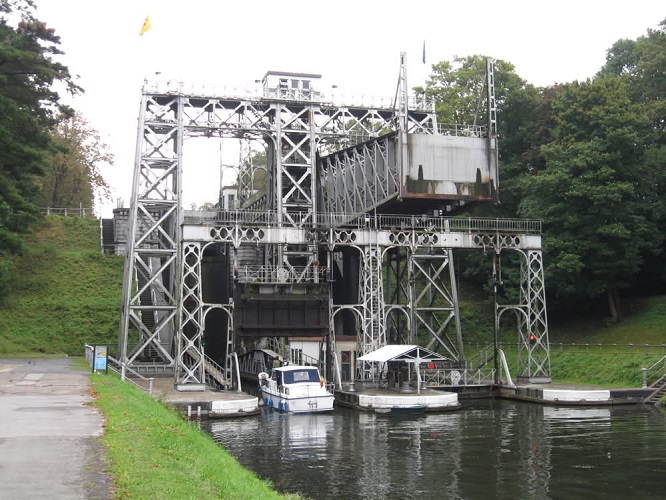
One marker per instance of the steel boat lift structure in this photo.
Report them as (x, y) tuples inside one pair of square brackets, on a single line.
[(345, 237)]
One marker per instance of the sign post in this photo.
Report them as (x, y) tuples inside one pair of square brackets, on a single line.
[(100, 360)]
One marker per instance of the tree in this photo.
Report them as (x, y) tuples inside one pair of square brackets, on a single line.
[(458, 89), (252, 174), (73, 170), (642, 63), (594, 192), (29, 108)]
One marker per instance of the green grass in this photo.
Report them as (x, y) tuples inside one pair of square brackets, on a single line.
[(610, 369), (156, 454), (64, 293), (644, 322)]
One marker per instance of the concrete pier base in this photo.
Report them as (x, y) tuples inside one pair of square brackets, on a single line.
[(388, 401), (573, 395), (206, 403)]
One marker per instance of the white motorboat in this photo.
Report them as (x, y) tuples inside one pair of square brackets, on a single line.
[(295, 389)]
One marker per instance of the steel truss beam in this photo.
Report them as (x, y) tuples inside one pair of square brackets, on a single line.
[(372, 180), (421, 289)]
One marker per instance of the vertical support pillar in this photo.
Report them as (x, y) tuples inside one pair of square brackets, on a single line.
[(456, 306), (534, 355), (190, 367), (373, 335)]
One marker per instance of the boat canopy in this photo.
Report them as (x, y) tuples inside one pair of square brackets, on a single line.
[(405, 353)]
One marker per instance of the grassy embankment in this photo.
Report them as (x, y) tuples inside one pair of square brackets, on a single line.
[(583, 350), (64, 293), (611, 355), (156, 454)]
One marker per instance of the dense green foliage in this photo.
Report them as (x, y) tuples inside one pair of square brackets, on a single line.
[(589, 159), (156, 454), (593, 191), (29, 107), (48, 154), (64, 292)]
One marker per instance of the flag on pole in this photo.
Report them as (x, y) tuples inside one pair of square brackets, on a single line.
[(146, 26), (424, 52)]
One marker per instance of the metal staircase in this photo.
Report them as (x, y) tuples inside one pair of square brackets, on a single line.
[(149, 354), (214, 373), (659, 385), (659, 391)]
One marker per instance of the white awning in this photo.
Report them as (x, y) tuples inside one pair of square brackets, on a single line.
[(402, 353)]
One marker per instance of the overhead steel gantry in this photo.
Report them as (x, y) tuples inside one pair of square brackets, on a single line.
[(318, 229)]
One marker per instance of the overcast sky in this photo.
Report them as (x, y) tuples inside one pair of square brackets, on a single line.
[(354, 44)]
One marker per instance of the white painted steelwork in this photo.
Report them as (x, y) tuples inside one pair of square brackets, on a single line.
[(403, 280)]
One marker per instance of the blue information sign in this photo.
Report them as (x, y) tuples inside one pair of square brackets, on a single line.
[(100, 359)]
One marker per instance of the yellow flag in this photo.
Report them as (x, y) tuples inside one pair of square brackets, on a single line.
[(146, 26)]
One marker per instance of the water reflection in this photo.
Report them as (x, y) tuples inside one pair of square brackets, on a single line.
[(489, 449)]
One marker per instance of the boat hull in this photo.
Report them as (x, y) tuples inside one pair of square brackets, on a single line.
[(295, 389), (308, 404)]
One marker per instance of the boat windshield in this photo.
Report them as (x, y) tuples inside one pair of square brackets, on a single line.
[(305, 375)]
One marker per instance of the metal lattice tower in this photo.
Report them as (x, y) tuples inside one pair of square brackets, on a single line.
[(331, 170)]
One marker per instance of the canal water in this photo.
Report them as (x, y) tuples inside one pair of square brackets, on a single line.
[(487, 449)]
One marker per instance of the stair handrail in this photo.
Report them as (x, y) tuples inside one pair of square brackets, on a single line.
[(337, 369), (481, 358), (504, 367), (208, 362), (127, 369), (235, 356), (646, 372)]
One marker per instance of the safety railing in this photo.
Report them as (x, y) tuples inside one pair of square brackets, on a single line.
[(654, 373), (577, 347), (416, 102), (441, 377), (362, 221), (138, 380), (462, 130), (272, 274), (70, 212)]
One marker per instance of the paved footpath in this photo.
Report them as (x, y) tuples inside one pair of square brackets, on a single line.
[(50, 440)]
